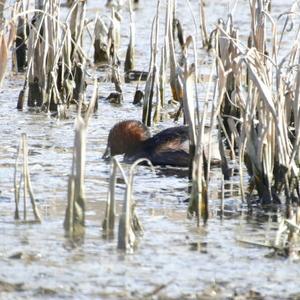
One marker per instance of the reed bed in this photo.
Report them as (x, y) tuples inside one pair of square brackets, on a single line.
[(252, 98), (258, 108), (50, 51)]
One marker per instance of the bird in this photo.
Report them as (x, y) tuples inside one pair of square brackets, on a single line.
[(133, 139)]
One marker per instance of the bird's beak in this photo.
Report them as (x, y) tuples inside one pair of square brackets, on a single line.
[(107, 154)]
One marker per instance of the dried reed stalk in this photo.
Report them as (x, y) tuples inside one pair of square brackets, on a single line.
[(287, 236), (108, 224), (164, 59), (203, 30), (6, 40), (198, 204), (129, 224), (37, 56), (130, 53), (77, 56), (151, 82), (266, 128), (56, 61), (101, 46), (175, 82), (75, 212), (229, 108), (25, 179), (20, 9)]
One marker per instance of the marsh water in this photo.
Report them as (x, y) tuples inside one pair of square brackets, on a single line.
[(174, 259)]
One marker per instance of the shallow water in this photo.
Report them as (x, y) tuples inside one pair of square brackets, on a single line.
[(174, 259)]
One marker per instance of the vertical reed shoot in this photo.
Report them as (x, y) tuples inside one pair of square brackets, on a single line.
[(24, 179)]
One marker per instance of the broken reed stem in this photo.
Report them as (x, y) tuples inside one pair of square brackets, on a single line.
[(16, 185), (108, 224), (151, 82), (203, 30), (25, 178), (126, 236), (198, 204), (200, 176), (69, 216), (75, 212), (162, 76), (93, 103), (28, 182), (155, 85), (130, 54), (37, 58), (212, 117), (164, 59), (222, 197), (129, 223), (101, 47), (175, 82)]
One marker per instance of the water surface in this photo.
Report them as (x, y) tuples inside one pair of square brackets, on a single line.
[(174, 259)]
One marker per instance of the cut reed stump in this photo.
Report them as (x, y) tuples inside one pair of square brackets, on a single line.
[(101, 46), (75, 213), (108, 224)]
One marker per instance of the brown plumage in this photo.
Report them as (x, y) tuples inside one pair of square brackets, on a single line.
[(126, 137), (168, 147)]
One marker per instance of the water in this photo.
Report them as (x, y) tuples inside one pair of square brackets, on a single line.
[(174, 259)]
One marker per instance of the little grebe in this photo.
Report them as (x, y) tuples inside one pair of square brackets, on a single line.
[(168, 147)]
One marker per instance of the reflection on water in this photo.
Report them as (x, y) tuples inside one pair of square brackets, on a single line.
[(174, 259)]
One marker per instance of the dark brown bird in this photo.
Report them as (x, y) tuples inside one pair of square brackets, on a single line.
[(132, 138)]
